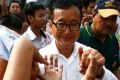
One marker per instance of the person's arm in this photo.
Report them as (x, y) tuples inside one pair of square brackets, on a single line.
[(4, 7), (91, 65), (21, 59)]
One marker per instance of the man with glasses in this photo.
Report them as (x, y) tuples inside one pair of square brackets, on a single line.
[(79, 62)]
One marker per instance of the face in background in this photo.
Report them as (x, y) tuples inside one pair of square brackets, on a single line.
[(15, 8), (103, 26), (68, 16), (38, 20), (84, 11), (48, 13), (90, 7)]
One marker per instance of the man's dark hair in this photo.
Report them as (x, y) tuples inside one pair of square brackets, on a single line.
[(11, 21), (86, 3), (65, 4), (31, 8), (14, 1)]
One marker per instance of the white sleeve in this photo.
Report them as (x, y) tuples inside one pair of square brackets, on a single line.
[(4, 53), (108, 75)]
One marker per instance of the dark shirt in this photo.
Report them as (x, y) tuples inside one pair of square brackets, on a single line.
[(109, 49)]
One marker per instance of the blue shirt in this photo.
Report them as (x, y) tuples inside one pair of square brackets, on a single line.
[(7, 37), (4, 53)]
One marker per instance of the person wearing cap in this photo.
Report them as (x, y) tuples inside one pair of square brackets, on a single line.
[(35, 16), (98, 33)]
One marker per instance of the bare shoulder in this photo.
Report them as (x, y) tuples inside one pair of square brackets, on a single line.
[(24, 43)]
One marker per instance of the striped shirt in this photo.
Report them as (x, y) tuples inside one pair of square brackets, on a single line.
[(38, 42)]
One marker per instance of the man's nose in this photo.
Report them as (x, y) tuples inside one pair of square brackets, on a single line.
[(67, 30)]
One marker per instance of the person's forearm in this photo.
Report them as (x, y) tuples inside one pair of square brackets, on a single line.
[(38, 57)]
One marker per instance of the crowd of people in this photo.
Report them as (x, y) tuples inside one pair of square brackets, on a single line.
[(64, 40)]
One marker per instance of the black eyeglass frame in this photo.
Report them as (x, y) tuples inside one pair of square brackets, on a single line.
[(70, 25)]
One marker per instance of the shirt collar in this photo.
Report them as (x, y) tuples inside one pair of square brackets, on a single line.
[(75, 50), (31, 34), (88, 28)]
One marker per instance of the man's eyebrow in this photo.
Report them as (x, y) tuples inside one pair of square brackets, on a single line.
[(60, 20)]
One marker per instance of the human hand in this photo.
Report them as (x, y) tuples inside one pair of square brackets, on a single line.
[(39, 58), (91, 65), (52, 74), (35, 73), (51, 70)]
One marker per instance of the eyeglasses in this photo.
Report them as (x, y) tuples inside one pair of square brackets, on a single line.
[(63, 26)]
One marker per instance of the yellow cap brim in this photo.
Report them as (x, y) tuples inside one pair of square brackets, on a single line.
[(108, 12)]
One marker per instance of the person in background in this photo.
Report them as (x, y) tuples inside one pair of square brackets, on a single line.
[(7, 38), (12, 21), (88, 7), (91, 7), (8, 33), (85, 4), (35, 16), (15, 7), (98, 33), (48, 16)]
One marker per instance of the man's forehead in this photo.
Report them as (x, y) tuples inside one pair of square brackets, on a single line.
[(15, 3), (72, 9), (66, 16)]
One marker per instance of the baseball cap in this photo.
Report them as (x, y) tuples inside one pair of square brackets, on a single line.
[(107, 8)]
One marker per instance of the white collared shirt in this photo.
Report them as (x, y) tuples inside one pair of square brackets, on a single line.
[(4, 53), (7, 36), (39, 43), (70, 65)]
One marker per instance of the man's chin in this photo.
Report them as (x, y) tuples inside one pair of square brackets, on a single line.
[(106, 32)]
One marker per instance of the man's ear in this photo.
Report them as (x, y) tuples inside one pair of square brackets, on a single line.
[(30, 18), (50, 23)]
